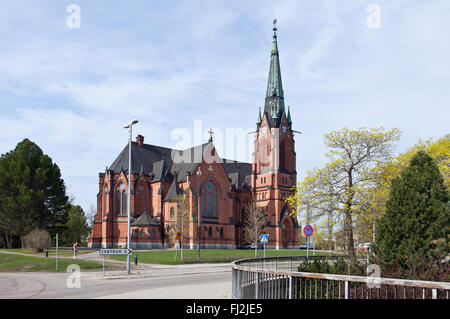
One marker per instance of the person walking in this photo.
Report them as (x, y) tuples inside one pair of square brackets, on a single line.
[(75, 249)]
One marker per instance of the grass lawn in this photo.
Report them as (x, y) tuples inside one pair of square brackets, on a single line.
[(167, 257), (14, 262)]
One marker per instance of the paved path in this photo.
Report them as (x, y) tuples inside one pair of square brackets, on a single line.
[(36, 255), (53, 286), (190, 281)]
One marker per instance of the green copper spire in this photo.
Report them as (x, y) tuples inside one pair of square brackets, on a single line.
[(274, 85), (274, 105), (289, 115)]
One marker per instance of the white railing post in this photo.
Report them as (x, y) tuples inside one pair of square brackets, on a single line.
[(257, 285), (233, 283), (434, 294), (290, 287), (346, 290), (239, 286)]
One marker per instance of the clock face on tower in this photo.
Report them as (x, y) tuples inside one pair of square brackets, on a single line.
[(284, 129)]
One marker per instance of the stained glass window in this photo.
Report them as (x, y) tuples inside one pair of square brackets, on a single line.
[(124, 203), (209, 200)]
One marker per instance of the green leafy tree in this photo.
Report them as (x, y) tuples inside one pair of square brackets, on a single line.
[(416, 223), (77, 228), (339, 187), (32, 193)]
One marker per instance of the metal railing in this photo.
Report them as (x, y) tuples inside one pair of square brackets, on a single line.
[(276, 278)]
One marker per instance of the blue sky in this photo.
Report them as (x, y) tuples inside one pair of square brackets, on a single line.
[(169, 63)]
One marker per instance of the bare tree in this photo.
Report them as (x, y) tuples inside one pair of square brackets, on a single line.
[(90, 215), (183, 220), (37, 240), (255, 220)]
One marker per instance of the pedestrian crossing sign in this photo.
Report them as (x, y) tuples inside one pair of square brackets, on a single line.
[(264, 238)]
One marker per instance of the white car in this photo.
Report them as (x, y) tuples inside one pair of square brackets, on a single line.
[(305, 246)]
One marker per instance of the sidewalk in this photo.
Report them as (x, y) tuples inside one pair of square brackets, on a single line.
[(201, 291)]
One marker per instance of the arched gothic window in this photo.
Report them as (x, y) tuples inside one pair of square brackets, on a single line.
[(124, 203), (118, 201), (121, 200), (104, 204), (209, 199), (264, 150), (283, 155), (172, 213)]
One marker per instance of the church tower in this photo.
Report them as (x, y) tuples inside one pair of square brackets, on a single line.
[(274, 159)]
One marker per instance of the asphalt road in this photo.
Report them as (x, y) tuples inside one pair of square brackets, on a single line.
[(206, 283)]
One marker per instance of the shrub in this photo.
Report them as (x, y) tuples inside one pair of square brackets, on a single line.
[(37, 240), (337, 267)]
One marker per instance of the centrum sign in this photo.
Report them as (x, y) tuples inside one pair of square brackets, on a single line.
[(124, 251)]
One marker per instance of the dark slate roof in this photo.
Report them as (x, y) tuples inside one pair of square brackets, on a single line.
[(158, 170), (157, 162), (239, 173), (173, 192), (144, 156), (145, 220), (189, 159)]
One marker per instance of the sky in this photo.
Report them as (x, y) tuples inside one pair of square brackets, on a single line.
[(171, 63)]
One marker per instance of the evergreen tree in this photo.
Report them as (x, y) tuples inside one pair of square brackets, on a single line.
[(77, 228), (415, 227), (32, 193)]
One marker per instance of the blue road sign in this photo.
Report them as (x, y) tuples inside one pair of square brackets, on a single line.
[(264, 238), (308, 230)]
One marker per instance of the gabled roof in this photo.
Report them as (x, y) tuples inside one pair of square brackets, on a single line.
[(188, 160), (144, 220), (162, 164)]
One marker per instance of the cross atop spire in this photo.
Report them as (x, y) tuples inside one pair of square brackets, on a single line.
[(275, 29), (211, 132)]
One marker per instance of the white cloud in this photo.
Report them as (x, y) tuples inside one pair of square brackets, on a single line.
[(71, 91)]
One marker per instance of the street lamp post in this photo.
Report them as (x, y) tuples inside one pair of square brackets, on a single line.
[(199, 174), (130, 127)]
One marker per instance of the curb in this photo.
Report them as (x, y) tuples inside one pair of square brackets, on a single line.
[(139, 275)]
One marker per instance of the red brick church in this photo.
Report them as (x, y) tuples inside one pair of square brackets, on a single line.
[(223, 189)]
